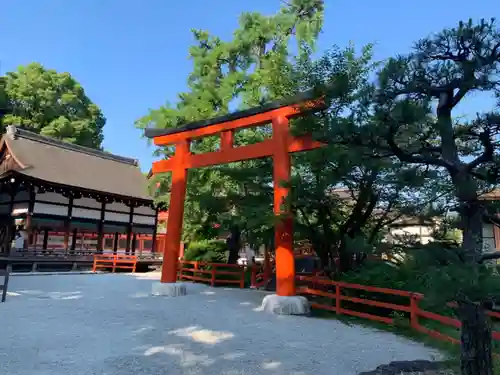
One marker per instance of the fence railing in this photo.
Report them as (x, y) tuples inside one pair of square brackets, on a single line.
[(212, 273), (343, 302), (115, 261)]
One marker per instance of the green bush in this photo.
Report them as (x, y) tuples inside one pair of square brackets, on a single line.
[(213, 251)]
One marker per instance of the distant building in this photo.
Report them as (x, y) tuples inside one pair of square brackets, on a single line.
[(71, 197)]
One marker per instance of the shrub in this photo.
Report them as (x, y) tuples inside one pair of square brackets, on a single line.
[(434, 270), (213, 251)]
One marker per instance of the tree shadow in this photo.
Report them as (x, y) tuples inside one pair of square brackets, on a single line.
[(197, 349)]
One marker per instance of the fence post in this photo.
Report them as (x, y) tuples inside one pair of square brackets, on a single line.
[(414, 311), (337, 299), (242, 280), (212, 281), (253, 277), (180, 266), (94, 267), (115, 259)]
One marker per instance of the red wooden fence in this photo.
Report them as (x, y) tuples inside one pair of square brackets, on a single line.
[(210, 273), (315, 286)]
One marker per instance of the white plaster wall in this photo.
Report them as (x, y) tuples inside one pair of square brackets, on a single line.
[(117, 207), (422, 233), (145, 210), (488, 237), (87, 202), (112, 216), (143, 220), (86, 213), (52, 197), (50, 209)]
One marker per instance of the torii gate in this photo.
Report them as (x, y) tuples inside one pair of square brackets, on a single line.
[(279, 147)]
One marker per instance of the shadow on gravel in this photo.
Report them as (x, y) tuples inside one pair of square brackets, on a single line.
[(194, 349)]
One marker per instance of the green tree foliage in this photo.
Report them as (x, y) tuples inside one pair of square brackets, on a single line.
[(52, 104), (413, 116), (3, 100), (375, 189), (241, 72), (213, 251)]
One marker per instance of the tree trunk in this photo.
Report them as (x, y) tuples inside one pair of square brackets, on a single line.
[(475, 356), (472, 222), (233, 244)]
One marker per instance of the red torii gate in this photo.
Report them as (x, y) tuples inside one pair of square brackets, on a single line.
[(279, 147)]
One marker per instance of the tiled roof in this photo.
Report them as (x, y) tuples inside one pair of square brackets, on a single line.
[(76, 166)]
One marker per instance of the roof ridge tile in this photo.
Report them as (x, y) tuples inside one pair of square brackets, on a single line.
[(13, 132)]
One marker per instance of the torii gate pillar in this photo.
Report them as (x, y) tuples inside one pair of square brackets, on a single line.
[(283, 231)]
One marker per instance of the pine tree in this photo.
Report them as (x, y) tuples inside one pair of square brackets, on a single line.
[(241, 72)]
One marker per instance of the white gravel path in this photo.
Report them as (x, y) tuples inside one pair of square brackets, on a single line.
[(109, 324)]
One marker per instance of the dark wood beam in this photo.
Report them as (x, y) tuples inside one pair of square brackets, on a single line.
[(67, 223), (45, 238), (29, 214), (134, 241), (129, 228), (73, 240), (11, 225), (100, 229), (115, 244), (155, 231)]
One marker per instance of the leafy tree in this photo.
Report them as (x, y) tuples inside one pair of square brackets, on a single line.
[(380, 189), (240, 72), (3, 100), (414, 108), (52, 104), (445, 69)]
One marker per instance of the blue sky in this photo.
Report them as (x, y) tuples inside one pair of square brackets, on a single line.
[(131, 56)]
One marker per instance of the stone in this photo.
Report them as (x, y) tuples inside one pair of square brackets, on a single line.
[(169, 289), (285, 305), (418, 367)]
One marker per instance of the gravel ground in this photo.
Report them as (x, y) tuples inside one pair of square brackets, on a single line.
[(109, 324)]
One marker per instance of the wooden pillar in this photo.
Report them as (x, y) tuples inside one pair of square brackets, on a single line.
[(129, 230), (155, 232), (66, 235), (115, 243), (45, 239), (29, 216), (175, 215), (67, 224), (73, 240), (11, 227), (100, 229), (132, 247), (283, 232)]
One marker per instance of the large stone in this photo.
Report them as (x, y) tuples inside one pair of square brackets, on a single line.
[(169, 289), (418, 367), (285, 305)]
